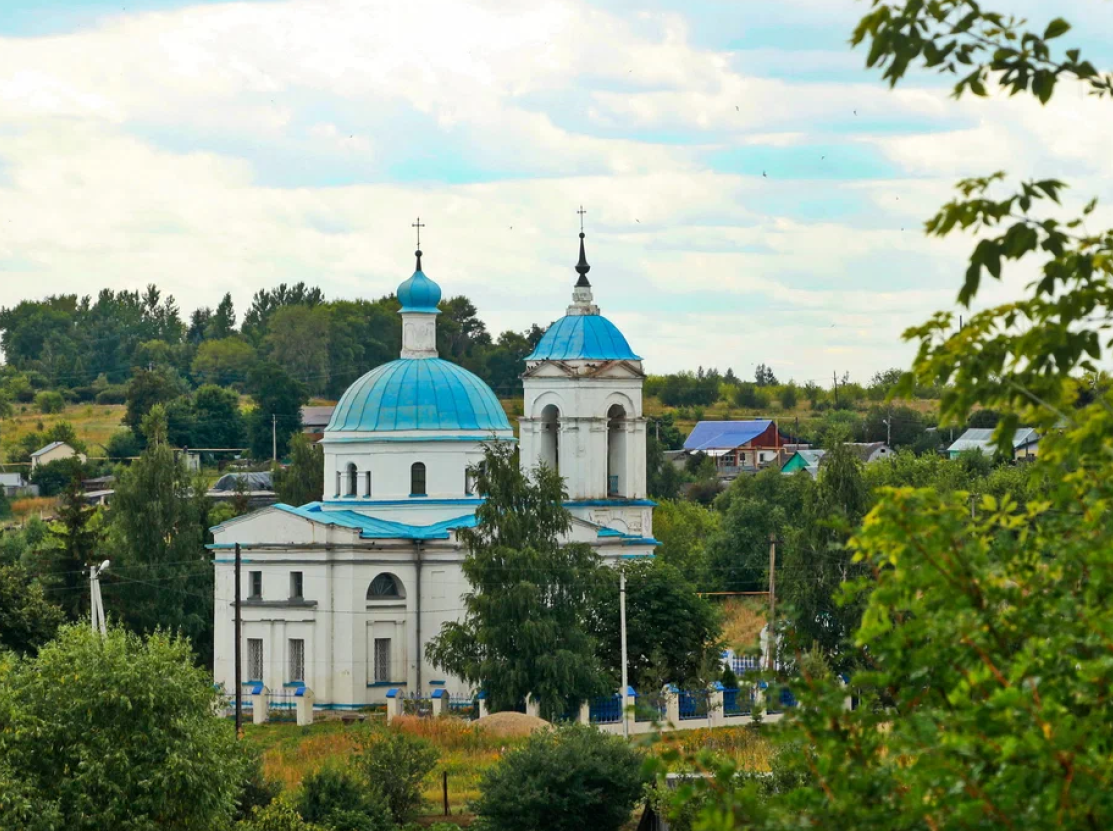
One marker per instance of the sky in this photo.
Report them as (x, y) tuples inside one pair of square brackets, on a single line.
[(753, 193)]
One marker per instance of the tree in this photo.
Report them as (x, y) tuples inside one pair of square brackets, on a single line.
[(147, 388), (223, 362), (278, 402), (670, 628), (788, 396), (156, 532), (302, 481), (118, 732), (53, 477), (393, 766), (49, 402), (298, 340), (904, 429), (751, 396), (984, 701), (565, 780), (27, 619), (77, 540), (764, 377), (218, 421), (336, 799), (685, 530), (523, 630)]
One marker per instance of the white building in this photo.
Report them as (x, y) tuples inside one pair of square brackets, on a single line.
[(342, 595), (53, 452)]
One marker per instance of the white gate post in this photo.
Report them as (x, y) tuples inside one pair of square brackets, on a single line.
[(672, 705), (303, 701), (393, 704), (258, 698), (716, 717), (440, 699), (482, 699)]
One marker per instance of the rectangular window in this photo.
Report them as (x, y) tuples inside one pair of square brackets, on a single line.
[(382, 660), (297, 660), (255, 585), (296, 585), (367, 487), (254, 659)]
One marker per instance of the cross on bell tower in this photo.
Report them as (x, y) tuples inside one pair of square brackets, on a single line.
[(419, 225)]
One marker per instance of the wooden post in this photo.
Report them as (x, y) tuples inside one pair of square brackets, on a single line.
[(445, 782), (772, 596), (239, 649)]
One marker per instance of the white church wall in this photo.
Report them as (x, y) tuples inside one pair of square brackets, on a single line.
[(390, 465)]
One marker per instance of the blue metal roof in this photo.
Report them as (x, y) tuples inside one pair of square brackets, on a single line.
[(419, 394), (724, 435), (372, 528), (583, 337), (419, 294)]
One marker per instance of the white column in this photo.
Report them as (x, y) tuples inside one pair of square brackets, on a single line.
[(259, 713)]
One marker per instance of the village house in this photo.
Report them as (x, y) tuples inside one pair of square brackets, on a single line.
[(53, 452), (740, 446), (980, 439)]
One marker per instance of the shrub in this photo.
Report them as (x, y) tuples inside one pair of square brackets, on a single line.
[(568, 780), (751, 397), (334, 798), (48, 401), (280, 815), (257, 791), (115, 394), (394, 764), (788, 396)]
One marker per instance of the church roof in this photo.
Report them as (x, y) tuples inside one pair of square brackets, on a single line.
[(419, 293), (583, 337), (373, 528), (418, 394)]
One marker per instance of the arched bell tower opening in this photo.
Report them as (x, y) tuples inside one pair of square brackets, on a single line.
[(616, 452), (549, 452), (352, 479)]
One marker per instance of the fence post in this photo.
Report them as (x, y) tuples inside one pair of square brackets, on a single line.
[(257, 695), (716, 716), (672, 704), (482, 699), (848, 701), (393, 705), (440, 697), (760, 694), (303, 701), (585, 712), (629, 703)]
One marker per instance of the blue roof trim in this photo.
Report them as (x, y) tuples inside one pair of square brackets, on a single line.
[(486, 437), (724, 435), (610, 503), (371, 528), (583, 337), (424, 501), (418, 394)]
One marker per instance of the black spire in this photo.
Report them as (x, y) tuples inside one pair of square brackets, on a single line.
[(417, 254), (582, 268)]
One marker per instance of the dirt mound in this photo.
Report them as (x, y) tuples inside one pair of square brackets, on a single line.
[(511, 724)]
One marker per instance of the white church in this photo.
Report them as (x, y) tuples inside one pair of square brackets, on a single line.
[(341, 596)]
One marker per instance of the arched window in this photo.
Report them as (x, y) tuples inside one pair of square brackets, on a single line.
[(616, 451), (549, 454), (353, 479), (417, 479), (367, 486), (384, 587)]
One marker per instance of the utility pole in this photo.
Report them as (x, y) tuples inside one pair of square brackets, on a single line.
[(835, 381), (772, 597), (274, 437), (622, 629), (96, 603), (889, 429), (239, 648)]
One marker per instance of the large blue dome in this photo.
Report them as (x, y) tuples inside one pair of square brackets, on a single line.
[(583, 337), (419, 394)]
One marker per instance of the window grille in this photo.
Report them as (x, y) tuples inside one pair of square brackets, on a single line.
[(382, 660), (254, 659), (297, 660)]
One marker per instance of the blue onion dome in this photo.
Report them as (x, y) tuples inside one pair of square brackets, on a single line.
[(419, 293), (584, 337), (419, 394)]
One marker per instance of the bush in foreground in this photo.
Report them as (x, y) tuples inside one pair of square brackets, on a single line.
[(571, 779), (334, 798), (393, 765)]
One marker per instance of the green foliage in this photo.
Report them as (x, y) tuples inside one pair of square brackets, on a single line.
[(278, 401), (156, 533), (751, 397), (64, 566), (53, 477), (393, 766), (256, 790), (788, 396), (48, 402), (670, 628), (523, 631), (302, 481), (764, 377), (223, 362), (27, 619), (279, 815), (147, 388), (336, 799), (123, 444), (685, 389), (564, 780), (218, 420), (119, 732), (685, 530)]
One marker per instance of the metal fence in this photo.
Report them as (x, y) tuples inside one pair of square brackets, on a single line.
[(606, 709), (282, 705), (463, 706), (650, 707), (778, 699), (738, 702), (693, 704), (741, 664), (417, 704)]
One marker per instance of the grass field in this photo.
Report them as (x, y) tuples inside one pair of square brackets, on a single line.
[(94, 424), (743, 618), (291, 752)]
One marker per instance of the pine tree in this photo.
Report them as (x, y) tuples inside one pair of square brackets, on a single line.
[(523, 631), (76, 550), (303, 480)]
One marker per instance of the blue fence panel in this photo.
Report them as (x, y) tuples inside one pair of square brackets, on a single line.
[(738, 702), (693, 704), (788, 700), (649, 707), (606, 709), (741, 664), (463, 706)]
